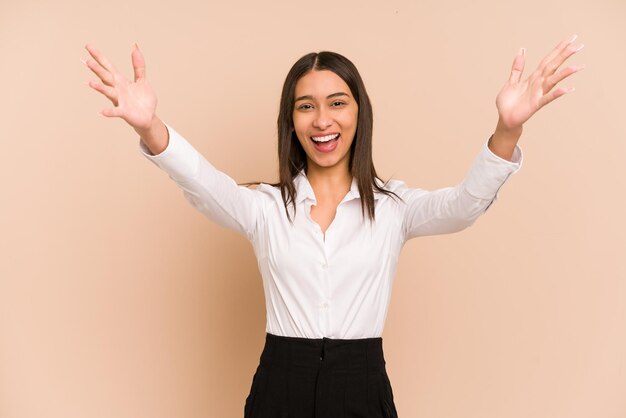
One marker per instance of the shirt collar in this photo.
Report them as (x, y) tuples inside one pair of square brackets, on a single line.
[(305, 191)]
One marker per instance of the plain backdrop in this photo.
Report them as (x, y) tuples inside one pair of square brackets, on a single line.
[(118, 299)]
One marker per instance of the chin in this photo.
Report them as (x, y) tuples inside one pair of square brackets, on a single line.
[(326, 163)]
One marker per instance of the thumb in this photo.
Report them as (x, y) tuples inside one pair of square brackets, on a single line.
[(111, 112), (139, 64), (518, 66)]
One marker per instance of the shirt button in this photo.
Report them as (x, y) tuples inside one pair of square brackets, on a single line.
[(324, 265), (324, 305)]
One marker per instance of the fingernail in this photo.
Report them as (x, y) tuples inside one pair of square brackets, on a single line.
[(83, 61), (573, 39), (522, 51), (580, 47), (571, 89)]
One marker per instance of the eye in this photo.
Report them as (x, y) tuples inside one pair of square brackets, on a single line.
[(338, 103), (303, 107)]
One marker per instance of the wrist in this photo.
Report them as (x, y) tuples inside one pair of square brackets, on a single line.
[(503, 141), (149, 129), (156, 137), (508, 133)]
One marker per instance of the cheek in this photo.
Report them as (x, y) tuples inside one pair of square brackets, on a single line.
[(355, 117), (350, 117), (349, 121), (299, 135), (298, 123)]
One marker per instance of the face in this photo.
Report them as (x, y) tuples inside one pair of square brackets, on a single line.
[(324, 108)]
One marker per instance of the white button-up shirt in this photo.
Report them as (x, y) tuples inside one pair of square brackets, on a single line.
[(337, 284)]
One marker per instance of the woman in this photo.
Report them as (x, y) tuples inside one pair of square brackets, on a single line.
[(328, 235)]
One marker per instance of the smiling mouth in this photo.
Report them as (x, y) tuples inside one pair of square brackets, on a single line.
[(326, 143), (326, 138)]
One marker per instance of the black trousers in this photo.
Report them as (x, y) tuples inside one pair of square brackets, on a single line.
[(320, 378)]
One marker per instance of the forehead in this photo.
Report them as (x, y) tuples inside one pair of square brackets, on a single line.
[(321, 83)]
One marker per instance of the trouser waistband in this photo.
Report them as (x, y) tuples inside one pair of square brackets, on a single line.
[(338, 354)]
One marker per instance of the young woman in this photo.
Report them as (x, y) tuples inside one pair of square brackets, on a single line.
[(327, 236)]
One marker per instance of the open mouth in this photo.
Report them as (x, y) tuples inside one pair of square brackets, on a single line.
[(326, 143), (326, 138)]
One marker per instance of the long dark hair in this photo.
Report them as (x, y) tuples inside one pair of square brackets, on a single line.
[(291, 155)]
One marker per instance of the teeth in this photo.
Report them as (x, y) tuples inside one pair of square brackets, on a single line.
[(325, 138)]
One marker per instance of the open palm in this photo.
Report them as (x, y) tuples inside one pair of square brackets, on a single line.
[(135, 102), (518, 100)]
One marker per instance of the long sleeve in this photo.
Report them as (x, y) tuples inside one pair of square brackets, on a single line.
[(452, 209), (209, 190)]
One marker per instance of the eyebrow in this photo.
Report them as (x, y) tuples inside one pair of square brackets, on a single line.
[(309, 97)]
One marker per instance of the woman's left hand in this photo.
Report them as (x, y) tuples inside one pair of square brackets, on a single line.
[(518, 100)]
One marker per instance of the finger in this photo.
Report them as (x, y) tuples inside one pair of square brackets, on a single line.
[(554, 79), (554, 94), (109, 92), (565, 43), (139, 64), (102, 60), (556, 62), (112, 112), (562, 44), (518, 66), (103, 74)]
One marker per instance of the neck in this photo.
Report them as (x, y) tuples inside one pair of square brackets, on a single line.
[(332, 182)]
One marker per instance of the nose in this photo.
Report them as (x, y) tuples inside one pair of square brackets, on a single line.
[(322, 119)]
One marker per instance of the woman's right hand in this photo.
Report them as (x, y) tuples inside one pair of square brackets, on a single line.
[(135, 102)]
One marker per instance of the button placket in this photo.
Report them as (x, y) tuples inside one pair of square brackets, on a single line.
[(324, 303)]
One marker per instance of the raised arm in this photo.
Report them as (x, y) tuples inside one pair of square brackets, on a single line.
[(519, 99), (134, 102), (212, 192), (452, 209)]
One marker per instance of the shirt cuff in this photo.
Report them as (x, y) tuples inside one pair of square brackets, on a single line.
[(179, 159), (489, 172)]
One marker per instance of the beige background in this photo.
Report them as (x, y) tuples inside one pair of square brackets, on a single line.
[(118, 299)]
